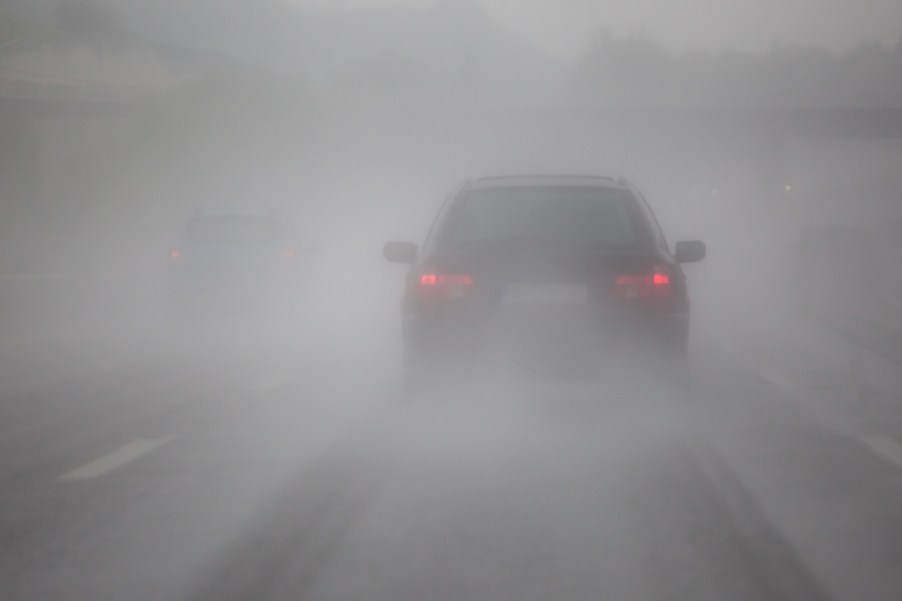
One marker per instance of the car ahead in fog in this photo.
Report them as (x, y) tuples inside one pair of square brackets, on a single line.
[(223, 264), (566, 273)]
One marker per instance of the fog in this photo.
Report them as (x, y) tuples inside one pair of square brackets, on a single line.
[(308, 466)]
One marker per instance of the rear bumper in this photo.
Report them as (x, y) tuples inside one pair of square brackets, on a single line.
[(556, 342)]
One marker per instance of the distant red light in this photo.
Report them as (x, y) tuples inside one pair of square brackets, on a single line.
[(432, 279), (289, 253), (175, 254)]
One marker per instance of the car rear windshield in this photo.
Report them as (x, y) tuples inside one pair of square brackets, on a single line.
[(234, 230), (591, 217)]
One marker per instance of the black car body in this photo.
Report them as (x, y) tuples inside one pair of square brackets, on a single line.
[(560, 271)]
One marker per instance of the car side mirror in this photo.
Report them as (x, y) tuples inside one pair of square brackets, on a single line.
[(400, 252), (689, 251)]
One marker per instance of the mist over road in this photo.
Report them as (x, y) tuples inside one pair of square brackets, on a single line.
[(230, 469), (202, 394)]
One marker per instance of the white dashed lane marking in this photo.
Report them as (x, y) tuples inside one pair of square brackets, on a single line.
[(114, 460)]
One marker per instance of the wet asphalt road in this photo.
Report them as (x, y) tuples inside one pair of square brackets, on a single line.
[(148, 471)]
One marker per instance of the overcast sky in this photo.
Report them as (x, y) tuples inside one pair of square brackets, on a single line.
[(567, 26)]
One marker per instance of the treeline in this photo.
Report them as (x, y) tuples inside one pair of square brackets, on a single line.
[(636, 70), (453, 45)]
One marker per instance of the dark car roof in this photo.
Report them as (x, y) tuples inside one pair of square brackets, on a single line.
[(581, 181)]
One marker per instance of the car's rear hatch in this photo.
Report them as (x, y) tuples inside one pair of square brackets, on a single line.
[(546, 301)]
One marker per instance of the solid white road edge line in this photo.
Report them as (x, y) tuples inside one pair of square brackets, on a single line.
[(885, 447), (114, 460), (788, 386)]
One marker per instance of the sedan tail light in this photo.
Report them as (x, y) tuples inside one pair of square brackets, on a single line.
[(443, 285), (656, 284), (433, 279)]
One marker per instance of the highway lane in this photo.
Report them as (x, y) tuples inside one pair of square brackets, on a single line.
[(160, 472)]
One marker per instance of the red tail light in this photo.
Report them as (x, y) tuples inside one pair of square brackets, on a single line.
[(649, 285), (175, 255), (445, 285), (289, 253), (433, 279)]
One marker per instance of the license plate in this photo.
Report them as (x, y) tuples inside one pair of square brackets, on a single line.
[(556, 293)]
